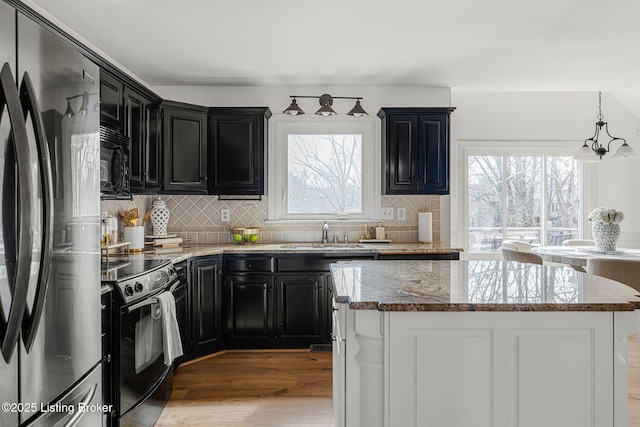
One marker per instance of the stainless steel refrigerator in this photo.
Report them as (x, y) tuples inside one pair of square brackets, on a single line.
[(50, 368)]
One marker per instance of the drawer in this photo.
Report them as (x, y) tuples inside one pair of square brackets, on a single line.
[(250, 264)]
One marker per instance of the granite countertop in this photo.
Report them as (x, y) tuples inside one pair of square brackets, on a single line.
[(479, 285), (195, 250)]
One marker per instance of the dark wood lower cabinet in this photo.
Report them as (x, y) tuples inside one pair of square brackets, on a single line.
[(300, 309), (265, 300), (248, 302), (206, 305)]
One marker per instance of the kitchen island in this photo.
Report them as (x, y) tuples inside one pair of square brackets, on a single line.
[(479, 343)]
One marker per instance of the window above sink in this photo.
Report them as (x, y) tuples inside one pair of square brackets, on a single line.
[(323, 168)]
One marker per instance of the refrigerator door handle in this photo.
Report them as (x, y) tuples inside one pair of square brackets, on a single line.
[(30, 105), (9, 97)]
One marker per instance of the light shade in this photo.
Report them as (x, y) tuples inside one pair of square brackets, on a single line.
[(293, 109), (69, 112), (586, 154), (326, 101), (357, 110), (326, 110), (85, 104), (625, 150)]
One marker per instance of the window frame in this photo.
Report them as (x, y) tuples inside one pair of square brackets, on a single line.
[(282, 126), (466, 148)]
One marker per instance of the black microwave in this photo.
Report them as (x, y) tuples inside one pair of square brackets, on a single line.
[(114, 164)]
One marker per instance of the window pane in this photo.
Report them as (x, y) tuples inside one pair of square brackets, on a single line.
[(563, 202), (324, 174), (485, 203), (524, 198), (521, 196)]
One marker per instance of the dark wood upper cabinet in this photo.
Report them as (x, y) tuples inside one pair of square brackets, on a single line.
[(415, 150), (237, 150), (185, 147), (141, 123), (111, 101)]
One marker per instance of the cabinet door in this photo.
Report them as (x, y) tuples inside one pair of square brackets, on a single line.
[(111, 101), (182, 312), (433, 155), (135, 128), (248, 310), (402, 151), (206, 305), (185, 150), (236, 153), (153, 152), (300, 309), (416, 150)]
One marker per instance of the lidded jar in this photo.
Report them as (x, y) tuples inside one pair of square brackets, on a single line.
[(159, 217)]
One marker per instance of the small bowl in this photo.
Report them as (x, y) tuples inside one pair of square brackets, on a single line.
[(245, 234)]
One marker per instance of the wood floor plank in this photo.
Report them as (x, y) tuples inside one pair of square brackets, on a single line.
[(283, 389), (253, 389)]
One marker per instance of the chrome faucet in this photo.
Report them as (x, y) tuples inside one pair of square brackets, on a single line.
[(325, 232)]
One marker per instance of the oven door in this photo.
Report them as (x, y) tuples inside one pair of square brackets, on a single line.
[(144, 379)]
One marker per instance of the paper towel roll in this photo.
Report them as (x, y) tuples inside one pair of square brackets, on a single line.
[(425, 230), (135, 237)]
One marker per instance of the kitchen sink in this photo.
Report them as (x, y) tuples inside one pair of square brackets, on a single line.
[(321, 245)]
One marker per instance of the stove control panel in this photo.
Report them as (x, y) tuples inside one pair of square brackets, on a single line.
[(138, 287)]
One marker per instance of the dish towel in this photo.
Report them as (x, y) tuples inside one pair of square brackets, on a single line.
[(171, 342)]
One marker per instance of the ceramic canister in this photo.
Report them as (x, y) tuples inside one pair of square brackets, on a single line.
[(159, 217)]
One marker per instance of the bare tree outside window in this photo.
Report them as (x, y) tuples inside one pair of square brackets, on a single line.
[(324, 173), (507, 195)]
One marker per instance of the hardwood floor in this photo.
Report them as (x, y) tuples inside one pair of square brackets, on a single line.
[(253, 389), (282, 388)]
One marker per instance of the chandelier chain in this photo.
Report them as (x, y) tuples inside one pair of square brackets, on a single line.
[(600, 116)]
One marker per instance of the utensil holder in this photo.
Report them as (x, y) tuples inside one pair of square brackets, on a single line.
[(135, 237)]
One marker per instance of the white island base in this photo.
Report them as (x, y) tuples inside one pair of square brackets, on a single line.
[(476, 369)]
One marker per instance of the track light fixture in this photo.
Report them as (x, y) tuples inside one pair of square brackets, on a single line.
[(326, 101), (594, 150)]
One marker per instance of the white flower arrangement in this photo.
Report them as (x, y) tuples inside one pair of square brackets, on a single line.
[(607, 215)]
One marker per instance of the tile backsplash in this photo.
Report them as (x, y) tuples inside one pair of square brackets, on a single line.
[(198, 219)]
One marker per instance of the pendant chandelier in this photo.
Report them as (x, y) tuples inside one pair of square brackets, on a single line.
[(592, 150)]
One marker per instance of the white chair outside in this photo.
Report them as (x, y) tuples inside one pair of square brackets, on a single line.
[(517, 245), (519, 256)]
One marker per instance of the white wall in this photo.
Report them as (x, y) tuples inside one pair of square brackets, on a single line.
[(277, 97), (554, 116)]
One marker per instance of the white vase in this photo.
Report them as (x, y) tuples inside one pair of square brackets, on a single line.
[(605, 235), (159, 217)]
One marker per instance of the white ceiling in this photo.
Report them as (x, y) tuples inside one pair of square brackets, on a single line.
[(526, 45)]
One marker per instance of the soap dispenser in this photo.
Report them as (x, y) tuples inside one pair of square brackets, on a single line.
[(380, 232)]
